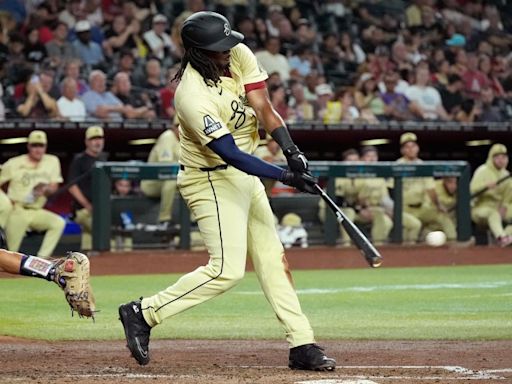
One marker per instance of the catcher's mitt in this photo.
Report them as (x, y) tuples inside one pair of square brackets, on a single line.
[(72, 275)]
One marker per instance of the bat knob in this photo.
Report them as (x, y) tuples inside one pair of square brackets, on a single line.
[(375, 262)]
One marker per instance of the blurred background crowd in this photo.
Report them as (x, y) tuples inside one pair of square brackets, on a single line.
[(336, 61)]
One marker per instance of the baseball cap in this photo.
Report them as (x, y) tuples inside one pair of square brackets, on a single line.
[(408, 136), (365, 77), (37, 137), (457, 40), (159, 19), (82, 26), (323, 89), (93, 132)]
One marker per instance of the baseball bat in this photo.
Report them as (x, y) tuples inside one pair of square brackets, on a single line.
[(370, 253), (484, 189)]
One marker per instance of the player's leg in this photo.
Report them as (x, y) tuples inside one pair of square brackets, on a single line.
[(220, 204), (84, 218), (53, 226), (488, 215), (167, 200), (411, 227), (16, 227), (271, 267), (5, 209), (381, 225)]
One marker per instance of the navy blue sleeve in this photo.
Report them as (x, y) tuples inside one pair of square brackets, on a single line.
[(226, 148)]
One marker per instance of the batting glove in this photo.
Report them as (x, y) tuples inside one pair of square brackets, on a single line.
[(303, 181)]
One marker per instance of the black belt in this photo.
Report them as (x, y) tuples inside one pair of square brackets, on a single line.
[(208, 169), (414, 205)]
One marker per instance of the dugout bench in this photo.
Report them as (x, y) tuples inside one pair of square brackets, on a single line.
[(103, 172)]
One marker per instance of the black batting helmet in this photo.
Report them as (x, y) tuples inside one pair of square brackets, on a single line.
[(210, 31)]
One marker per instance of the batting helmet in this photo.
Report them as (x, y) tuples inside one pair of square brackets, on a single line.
[(210, 31)]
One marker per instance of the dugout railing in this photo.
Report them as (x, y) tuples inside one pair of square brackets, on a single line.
[(104, 172)]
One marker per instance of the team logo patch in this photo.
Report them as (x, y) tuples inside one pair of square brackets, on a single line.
[(227, 29), (210, 125)]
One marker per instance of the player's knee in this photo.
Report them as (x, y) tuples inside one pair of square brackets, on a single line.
[(58, 224), (232, 278)]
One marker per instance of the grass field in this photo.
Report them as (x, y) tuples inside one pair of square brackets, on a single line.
[(467, 303)]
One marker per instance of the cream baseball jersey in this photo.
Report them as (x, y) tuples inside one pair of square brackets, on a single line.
[(166, 148), (23, 176), (207, 112)]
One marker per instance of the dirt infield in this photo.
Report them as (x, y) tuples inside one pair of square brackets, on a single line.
[(265, 362)]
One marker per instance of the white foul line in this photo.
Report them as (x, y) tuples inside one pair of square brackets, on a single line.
[(397, 287)]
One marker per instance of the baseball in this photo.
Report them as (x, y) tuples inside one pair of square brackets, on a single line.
[(436, 238)]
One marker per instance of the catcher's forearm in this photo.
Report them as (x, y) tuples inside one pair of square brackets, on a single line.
[(10, 261)]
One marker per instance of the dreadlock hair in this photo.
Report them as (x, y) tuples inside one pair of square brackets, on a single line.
[(201, 63)]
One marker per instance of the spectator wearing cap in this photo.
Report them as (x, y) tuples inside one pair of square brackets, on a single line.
[(70, 106), (89, 51), (136, 106), (59, 48), (99, 102), (80, 177), (273, 61), (31, 178), (451, 95), (38, 103), (324, 94), (419, 196), (274, 16), (158, 41), (367, 98), (426, 102), (306, 35)]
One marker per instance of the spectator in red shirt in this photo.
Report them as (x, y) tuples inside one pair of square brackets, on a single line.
[(474, 80)]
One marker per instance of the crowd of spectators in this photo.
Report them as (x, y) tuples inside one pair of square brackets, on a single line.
[(334, 61)]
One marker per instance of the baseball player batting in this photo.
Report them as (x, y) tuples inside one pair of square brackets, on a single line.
[(219, 101)]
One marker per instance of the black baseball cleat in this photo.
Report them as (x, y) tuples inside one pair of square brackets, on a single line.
[(136, 331), (310, 357)]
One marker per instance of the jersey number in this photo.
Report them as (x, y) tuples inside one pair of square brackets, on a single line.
[(238, 113)]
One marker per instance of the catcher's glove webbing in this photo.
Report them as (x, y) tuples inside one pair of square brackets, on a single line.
[(72, 275)]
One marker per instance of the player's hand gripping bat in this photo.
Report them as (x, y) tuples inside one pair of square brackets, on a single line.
[(369, 252)]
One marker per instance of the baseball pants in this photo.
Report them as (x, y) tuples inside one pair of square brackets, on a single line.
[(5, 208), (489, 216), (427, 214), (235, 220), (84, 218), (38, 219), (165, 190)]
